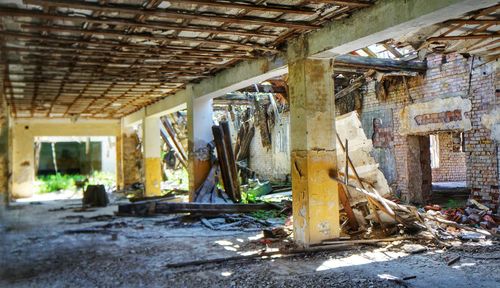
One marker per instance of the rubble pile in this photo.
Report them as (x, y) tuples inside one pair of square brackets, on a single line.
[(474, 214), (473, 222)]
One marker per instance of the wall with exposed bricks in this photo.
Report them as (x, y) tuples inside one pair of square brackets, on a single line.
[(447, 76), (481, 149), (452, 160)]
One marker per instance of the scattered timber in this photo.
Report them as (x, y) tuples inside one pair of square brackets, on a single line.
[(338, 245), (168, 134), (156, 207), (232, 161), (227, 162)]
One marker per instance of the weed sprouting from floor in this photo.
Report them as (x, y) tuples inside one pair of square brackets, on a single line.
[(56, 182), (452, 203), (61, 182)]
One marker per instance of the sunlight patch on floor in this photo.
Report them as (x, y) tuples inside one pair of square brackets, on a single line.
[(360, 259)]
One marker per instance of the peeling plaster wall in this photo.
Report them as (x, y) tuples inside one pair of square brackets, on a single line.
[(480, 146), (441, 114), (431, 107), (273, 163)]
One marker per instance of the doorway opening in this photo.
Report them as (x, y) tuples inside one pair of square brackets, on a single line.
[(64, 166), (448, 163)]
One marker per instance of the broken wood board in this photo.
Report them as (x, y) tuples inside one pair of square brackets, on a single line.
[(157, 207)]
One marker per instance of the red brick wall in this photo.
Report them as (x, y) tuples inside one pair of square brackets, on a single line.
[(451, 162), (447, 76), (482, 166)]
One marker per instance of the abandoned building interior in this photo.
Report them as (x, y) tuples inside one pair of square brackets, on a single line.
[(249, 143)]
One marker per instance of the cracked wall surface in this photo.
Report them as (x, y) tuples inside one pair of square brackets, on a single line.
[(450, 98)]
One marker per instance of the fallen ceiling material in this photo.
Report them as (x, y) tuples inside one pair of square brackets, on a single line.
[(349, 127)]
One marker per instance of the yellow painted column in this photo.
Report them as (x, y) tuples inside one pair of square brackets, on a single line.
[(312, 127), (199, 125), (23, 161), (152, 161)]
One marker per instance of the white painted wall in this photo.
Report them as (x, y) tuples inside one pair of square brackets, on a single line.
[(272, 163)]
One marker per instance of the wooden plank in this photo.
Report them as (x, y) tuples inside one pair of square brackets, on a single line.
[(72, 41), (249, 7), (231, 160), (379, 63), (156, 25), (393, 50), (171, 145), (353, 222), (175, 141), (464, 37), (223, 162), (158, 207), (165, 13), (474, 21), (150, 37), (370, 205), (349, 3)]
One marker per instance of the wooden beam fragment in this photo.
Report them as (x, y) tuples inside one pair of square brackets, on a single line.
[(381, 64), (464, 37), (143, 208)]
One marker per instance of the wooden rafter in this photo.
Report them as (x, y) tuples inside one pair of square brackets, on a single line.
[(103, 59), (169, 14)]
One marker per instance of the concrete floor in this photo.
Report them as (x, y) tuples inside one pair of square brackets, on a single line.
[(37, 253)]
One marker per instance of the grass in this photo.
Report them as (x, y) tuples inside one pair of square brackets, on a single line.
[(267, 214), (452, 203), (59, 182)]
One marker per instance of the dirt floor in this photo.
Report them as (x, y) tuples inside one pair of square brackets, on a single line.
[(42, 247)]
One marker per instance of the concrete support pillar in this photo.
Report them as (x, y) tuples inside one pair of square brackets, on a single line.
[(152, 161), (4, 154), (312, 119), (199, 125), (23, 161)]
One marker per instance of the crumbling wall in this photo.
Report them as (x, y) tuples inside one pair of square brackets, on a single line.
[(447, 79), (272, 163), (480, 146), (452, 160), (131, 158), (381, 123)]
